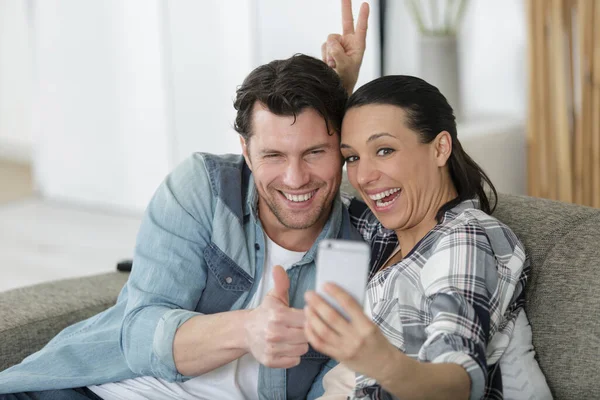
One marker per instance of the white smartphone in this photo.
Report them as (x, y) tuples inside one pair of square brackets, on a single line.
[(345, 263)]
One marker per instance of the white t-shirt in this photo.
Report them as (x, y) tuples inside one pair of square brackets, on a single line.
[(235, 380)]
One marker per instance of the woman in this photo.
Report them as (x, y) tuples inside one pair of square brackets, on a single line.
[(448, 279)]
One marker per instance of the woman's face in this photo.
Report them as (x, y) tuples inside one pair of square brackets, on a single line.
[(401, 179)]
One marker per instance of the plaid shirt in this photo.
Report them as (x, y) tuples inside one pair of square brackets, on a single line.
[(453, 299)]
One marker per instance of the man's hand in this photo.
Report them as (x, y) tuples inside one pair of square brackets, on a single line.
[(274, 331), (344, 53)]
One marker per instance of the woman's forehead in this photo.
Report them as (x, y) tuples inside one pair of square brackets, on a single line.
[(372, 122)]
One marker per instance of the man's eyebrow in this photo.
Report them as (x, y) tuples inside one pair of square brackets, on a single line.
[(269, 151), (308, 150), (318, 147)]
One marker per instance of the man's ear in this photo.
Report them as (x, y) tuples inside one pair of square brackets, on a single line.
[(244, 144), (443, 148)]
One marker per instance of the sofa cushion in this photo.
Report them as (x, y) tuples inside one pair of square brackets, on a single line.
[(563, 292), (33, 315), (522, 377)]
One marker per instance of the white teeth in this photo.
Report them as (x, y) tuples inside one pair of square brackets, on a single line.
[(381, 195), (385, 203), (299, 198)]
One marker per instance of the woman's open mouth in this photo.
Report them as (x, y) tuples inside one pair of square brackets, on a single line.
[(384, 200)]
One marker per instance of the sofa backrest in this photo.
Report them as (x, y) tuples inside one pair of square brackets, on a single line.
[(563, 291)]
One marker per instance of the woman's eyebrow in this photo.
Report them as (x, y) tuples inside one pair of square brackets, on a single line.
[(376, 136), (371, 138)]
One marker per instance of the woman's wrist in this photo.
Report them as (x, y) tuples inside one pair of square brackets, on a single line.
[(393, 365)]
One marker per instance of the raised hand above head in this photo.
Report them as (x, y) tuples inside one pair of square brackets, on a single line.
[(344, 53)]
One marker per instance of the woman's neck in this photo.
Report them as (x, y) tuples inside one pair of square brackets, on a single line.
[(408, 238)]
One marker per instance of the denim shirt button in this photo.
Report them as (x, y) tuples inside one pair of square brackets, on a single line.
[(256, 246), (228, 279)]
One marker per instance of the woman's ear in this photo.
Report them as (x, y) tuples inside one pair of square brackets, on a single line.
[(443, 148)]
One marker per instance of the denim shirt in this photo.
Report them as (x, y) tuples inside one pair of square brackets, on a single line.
[(199, 251)]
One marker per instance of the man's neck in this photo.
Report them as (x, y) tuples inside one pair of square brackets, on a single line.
[(288, 238)]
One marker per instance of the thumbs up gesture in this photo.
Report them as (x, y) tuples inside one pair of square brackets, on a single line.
[(274, 331), (281, 285)]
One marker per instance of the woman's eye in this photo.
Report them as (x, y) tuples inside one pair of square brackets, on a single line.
[(385, 151), (351, 159)]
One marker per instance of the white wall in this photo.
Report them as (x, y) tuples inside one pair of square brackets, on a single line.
[(211, 48), (100, 111), (210, 59), (492, 46), (16, 139), (284, 30)]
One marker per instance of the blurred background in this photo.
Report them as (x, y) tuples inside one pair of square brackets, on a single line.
[(100, 99)]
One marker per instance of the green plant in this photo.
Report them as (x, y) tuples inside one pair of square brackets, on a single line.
[(451, 10)]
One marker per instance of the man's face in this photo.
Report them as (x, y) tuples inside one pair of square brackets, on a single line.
[(297, 167)]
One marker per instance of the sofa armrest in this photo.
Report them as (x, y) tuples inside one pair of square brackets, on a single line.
[(33, 315)]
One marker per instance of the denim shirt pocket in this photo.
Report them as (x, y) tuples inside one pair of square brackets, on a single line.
[(225, 282), (312, 354), (309, 368)]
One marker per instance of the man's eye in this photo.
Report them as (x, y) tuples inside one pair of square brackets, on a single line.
[(316, 152), (351, 159), (271, 155), (385, 151)]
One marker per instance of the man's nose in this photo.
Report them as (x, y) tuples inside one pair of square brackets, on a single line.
[(296, 174)]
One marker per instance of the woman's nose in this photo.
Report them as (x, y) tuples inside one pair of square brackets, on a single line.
[(366, 172)]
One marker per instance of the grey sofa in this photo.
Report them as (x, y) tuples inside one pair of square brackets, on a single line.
[(563, 296)]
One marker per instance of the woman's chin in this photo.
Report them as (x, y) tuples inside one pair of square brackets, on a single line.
[(391, 223)]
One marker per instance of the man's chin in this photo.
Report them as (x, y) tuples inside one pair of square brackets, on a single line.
[(293, 222), (294, 215)]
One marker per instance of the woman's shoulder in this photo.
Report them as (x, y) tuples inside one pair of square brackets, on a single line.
[(466, 219), (471, 244)]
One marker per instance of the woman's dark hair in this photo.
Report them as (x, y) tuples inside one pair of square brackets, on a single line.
[(288, 87), (428, 113)]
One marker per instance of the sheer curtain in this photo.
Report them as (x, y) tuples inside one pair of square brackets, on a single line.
[(125, 90)]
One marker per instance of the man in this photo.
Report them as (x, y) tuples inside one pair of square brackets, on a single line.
[(199, 315)]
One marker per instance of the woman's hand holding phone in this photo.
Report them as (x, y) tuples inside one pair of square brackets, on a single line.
[(357, 342)]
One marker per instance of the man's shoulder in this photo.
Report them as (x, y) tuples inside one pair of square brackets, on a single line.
[(204, 176), (217, 162), (214, 169), (212, 164)]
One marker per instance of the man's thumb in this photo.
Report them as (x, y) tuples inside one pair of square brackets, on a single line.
[(281, 284)]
